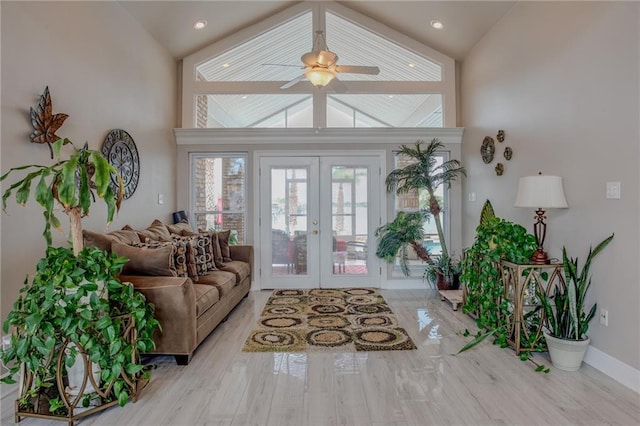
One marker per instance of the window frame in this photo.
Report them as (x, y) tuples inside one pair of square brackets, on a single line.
[(193, 88), (446, 219)]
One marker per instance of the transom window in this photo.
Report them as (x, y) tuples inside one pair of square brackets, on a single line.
[(237, 83)]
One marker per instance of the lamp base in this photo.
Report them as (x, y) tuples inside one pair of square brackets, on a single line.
[(539, 257)]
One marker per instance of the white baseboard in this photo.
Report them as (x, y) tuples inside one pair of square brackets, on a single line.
[(614, 368), (405, 284)]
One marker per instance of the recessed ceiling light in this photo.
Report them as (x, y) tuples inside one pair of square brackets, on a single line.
[(437, 24), (390, 96), (225, 65), (200, 24), (412, 65), (244, 97)]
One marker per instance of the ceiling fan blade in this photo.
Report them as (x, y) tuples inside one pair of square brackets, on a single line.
[(357, 69), (338, 86), (326, 58), (293, 82)]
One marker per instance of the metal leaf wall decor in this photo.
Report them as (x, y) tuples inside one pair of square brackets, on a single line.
[(44, 122)]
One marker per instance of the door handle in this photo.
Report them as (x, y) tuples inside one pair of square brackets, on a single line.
[(314, 232)]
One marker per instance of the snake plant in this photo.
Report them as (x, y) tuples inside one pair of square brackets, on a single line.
[(565, 310)]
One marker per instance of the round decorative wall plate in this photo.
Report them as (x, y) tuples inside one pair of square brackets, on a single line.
[(121, 152), (488, 149)]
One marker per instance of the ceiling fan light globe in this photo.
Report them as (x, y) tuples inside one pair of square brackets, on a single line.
[(320, 77)]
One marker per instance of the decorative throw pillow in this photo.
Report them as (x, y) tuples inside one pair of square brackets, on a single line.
[(187, 248), (179, 253), (217, 250), (178, 228), (205, 253), (157, 231), (125, 236), (145, 260), (96, 239), (223, 239)]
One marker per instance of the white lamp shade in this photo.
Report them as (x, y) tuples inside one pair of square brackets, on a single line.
[(319, 76), (541, 191)]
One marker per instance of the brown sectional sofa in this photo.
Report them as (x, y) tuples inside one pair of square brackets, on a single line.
[(188, 307)]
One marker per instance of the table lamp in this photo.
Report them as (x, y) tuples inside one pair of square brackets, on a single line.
[(540, 192)]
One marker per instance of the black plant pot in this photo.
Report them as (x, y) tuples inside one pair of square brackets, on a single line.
[(448, 282)]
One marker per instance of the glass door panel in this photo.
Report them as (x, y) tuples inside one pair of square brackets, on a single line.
[(350, 187), (349, 219), (286, 205), (316, 218), (289, 200)]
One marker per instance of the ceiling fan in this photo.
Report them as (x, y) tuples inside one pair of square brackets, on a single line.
[(321, 66)]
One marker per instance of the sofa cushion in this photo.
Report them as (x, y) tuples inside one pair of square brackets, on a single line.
[(125, 236), (157, 231), (225, 281), (206, 297), (103, 241), (223, 240), (96, 239), (178, 228), (147, 260), (179, 253), (240, 269), (217, 252)]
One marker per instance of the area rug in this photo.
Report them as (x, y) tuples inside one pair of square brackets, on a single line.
[(330, 320)]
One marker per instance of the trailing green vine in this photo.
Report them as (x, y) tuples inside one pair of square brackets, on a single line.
[(64, 303), (496, 240)]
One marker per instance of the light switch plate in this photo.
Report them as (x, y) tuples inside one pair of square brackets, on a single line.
[(613, 191)]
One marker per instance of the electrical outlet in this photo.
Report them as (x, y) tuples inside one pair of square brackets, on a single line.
[(6, 342), (604, 317)]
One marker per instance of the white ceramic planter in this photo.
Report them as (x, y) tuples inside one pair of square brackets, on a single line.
[(566, 355)]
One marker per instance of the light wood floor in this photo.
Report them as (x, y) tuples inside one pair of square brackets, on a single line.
[(428, 386)]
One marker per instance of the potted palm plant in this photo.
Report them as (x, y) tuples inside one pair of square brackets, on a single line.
[(395, 238), (75, 308), (568, 322), (424, 173)]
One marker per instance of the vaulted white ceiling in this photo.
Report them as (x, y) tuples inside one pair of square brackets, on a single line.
[(171, 22)]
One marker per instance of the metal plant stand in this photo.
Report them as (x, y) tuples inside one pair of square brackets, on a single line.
[(37, 406)]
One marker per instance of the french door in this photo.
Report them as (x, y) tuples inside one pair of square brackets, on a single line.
[(318, 216)]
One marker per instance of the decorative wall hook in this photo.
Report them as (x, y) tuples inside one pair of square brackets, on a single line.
[(508, 153)]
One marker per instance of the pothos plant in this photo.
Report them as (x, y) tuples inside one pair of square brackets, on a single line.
[(62, 312), (496, 239)]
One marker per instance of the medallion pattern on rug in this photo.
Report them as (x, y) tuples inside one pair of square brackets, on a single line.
[(329, 320)]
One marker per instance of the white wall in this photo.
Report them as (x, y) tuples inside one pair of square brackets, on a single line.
[(104, 71), (562, 80)]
